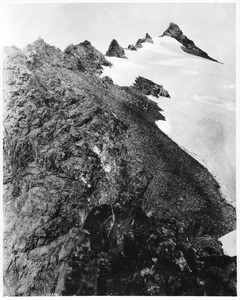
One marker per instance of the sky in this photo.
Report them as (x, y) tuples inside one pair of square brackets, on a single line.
[(210, 25)]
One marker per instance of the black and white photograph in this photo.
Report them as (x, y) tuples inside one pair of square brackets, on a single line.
[(119, 141)]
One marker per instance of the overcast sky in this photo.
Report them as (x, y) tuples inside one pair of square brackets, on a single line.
[(210, 25)]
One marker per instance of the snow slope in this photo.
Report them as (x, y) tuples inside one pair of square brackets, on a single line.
[(200, 116), (229, 243)]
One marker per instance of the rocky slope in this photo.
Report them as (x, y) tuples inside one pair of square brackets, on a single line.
[(97, 200), (188, 45), (115, 50), (91, 59), (149, 87)]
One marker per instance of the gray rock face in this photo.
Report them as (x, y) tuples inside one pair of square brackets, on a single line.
[(188, 45), (139, 44), (132, 47), (82, 57), (149, 87), (147, 39), (85, 57), (115, 50), (97, 200)]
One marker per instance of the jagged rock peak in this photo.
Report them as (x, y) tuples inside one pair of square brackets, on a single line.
[(132, 47), (175, 32), (147, 39), (39, 41), (85, 57), (40, 45), (86, 43), (139, 44), (115, 50), (39, 53), (149, 87)]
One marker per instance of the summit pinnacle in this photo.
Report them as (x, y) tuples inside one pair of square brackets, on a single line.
[(115, 50), (188, 45)]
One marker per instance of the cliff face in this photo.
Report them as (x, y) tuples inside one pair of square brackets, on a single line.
[(188, 45), (99, 201)]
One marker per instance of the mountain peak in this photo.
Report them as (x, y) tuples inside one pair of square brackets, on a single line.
[(85, 57), (147, 39), (86, 44), (132, 47), (175, 32), (147, 36), (149, 87), (115, 49), (39, 43)]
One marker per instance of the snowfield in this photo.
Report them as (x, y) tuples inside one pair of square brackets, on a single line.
[(229, 243), (200, 115)]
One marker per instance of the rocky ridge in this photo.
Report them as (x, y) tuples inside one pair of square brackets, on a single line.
[(92, 61), (115, 50), (149, 87), (147, 39), (188, 45), (132, 47), (97, 200)]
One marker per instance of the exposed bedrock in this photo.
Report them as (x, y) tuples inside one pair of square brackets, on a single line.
[(147, 39), (115, 50), (149, 87)]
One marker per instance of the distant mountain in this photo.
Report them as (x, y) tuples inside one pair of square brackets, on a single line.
[(147, 39), (188, 45), (115, 50), (132, 47)]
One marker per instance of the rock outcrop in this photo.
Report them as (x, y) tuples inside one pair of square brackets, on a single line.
[(115, 50), (132, 47), (85, 58), (97, 200), (147, 39), (188, 45), (149, 87), (82, 57)]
